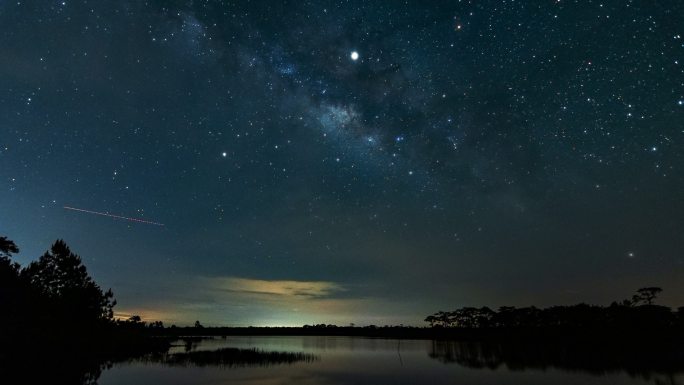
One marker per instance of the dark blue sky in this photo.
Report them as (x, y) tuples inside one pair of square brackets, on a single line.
[(347, 161)]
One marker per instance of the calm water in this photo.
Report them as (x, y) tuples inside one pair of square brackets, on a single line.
[(355, 360)]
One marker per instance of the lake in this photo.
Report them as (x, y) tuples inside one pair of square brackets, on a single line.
[(357, 360)]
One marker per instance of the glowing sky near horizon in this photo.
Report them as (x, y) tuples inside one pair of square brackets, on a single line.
[(347, 161)]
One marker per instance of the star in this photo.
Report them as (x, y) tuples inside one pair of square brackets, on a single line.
[(462, 122)]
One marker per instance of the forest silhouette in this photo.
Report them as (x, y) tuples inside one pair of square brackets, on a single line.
[(54, 313), (637, 313), (56, 290), (52, 298)]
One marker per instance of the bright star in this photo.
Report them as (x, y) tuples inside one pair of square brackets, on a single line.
[(224, 154), (354, 55)]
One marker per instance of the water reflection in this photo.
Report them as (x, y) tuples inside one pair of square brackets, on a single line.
[(343, 360), (660, 363), (57, 368), (65, 367)]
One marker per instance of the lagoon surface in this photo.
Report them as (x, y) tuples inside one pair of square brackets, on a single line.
[(357, 360)]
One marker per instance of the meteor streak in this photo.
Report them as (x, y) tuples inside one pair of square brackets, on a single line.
[(114, 216)]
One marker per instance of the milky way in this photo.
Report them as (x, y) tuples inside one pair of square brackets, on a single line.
[(415, 156)]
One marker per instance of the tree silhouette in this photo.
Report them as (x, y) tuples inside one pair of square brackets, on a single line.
[(647, 294), (9, 270), (13, 290), (60, 278), (7, 247), (431, 319)]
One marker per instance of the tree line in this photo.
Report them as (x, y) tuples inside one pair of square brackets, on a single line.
[(56, 290), (639, 311)]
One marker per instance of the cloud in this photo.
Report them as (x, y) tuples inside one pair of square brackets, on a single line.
[(147, 315), (238, 301), (291, 289)]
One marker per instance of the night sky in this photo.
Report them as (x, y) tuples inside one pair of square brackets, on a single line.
[(347, 161)]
